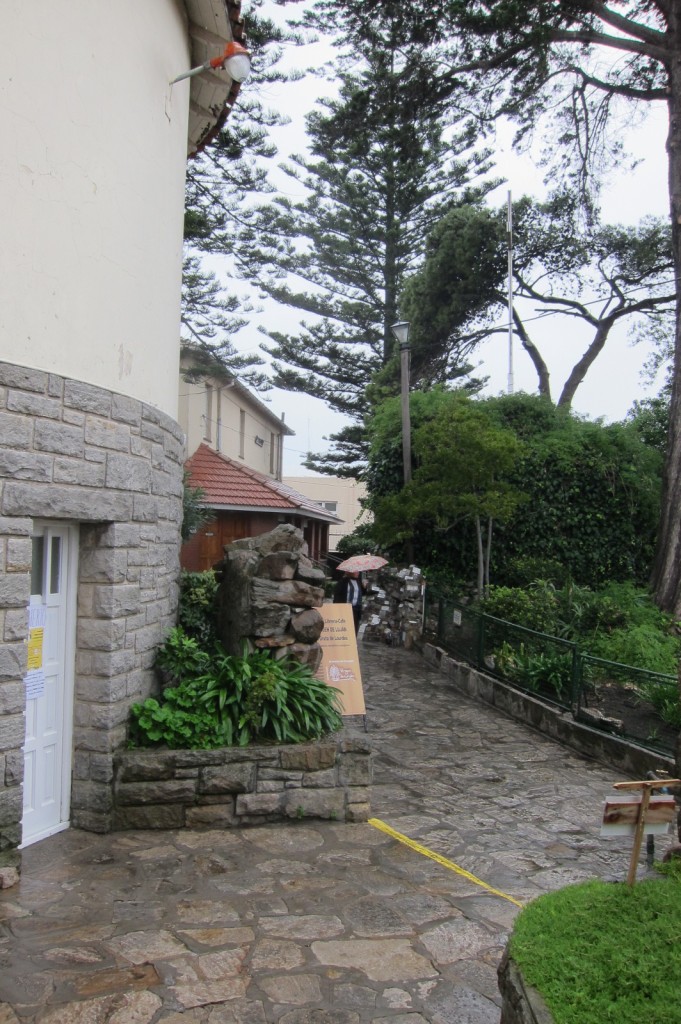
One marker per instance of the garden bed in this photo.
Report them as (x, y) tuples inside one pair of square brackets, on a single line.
[(640, 721), (232, 786)]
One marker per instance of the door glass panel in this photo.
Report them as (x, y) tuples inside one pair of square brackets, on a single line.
[(37, 565), (55, 564)]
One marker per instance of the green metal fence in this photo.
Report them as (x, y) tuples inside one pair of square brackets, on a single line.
[(639, 705)]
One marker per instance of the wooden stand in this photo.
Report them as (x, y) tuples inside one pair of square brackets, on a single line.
[(646, 788)]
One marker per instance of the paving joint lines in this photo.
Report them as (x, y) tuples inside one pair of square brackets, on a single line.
[(318, 922)]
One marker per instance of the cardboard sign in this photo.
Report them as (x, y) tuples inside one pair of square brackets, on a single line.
[(621, 814), (340, 660)]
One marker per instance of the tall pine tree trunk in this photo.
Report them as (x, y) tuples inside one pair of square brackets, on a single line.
[(488, 555), (481, 559), (666, 576)]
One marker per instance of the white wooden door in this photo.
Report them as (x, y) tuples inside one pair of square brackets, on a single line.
[(49, 682)]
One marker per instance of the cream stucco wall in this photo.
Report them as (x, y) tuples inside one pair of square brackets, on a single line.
[(229, 421), (346, 493), (92, 169)]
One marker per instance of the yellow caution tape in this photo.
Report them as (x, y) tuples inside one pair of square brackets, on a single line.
[(381, 825)]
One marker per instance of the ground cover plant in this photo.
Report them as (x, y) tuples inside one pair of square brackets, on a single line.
[(604, 953), (632, 649), (214, 699)]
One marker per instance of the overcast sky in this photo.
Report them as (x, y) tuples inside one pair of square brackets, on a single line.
[(612, 383)]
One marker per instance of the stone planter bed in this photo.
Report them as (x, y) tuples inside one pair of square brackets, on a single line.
[(521, 1003), (234, 786)]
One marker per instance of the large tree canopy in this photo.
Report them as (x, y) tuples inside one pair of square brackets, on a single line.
[(585, 62), (598, 276), (591, 492), (387, 160)]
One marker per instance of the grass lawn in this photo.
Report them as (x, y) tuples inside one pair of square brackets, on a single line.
[(605, 953)]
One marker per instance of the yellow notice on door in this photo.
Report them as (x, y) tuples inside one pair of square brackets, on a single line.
[(340, 660), (35, 648)]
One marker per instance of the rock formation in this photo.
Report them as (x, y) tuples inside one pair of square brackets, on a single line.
[(269, 592)]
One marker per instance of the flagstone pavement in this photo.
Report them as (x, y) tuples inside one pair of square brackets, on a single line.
[(318, 922)]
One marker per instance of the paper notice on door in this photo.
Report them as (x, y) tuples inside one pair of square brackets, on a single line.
[(34, 681), (35, 677)]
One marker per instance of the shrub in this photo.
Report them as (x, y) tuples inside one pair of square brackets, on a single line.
[(665, 699), (521, 571), (534, 670), (259, 699), (181, 657), (534, 608), (642, 646), (197, 606), (179, 720), (218, 699)]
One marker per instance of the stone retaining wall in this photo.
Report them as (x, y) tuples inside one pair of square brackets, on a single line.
[(559, 725), (521, 1003), (81, 455), (393, 607), (235, 786)]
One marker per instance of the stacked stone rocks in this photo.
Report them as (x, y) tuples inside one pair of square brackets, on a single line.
[(393, 607), (269, 593)]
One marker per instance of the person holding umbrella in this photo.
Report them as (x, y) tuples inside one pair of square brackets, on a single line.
[(349, 588)]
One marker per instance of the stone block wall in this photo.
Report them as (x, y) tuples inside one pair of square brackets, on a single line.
[(521, 1003), (235, 786), (269, 593), (393, 607), (81, 455)]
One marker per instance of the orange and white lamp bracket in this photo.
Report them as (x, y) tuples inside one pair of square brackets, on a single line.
[(236, 60)]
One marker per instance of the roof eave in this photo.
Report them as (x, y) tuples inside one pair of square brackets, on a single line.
[(212, 24)]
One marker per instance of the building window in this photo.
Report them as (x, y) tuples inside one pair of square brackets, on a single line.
[(242, 433), (273, 454), (330, 506)]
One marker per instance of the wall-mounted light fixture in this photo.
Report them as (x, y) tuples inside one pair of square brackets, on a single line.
[(259, 441), (236, 61)]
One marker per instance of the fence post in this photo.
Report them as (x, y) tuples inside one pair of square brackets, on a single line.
[(576, 696), (440, 621), (481, 640)]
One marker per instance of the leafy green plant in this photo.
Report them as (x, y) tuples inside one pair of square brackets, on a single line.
[(268, 700), (219, 699), (197, 606), (181, 656), (534, 670), (665, 699), (642, 646), (179, 721), (534, 608)]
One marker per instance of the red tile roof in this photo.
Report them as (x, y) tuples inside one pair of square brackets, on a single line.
[(229, 484)]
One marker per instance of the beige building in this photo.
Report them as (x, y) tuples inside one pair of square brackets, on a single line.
[(235, 443), (95, 143), (338, 495), (219, 411)]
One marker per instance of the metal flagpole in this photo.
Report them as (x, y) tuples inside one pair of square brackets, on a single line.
[(509, 239)]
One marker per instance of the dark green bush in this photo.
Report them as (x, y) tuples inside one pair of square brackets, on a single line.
[(536, 670), (217, 699), (198, 603), (639, 647), (535, 608), (523, 570)]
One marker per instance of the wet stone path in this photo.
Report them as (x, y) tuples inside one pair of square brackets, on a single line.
[(318, 922)]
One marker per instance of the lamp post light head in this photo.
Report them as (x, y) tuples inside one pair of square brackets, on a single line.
[(235, 60), (401, 332)]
